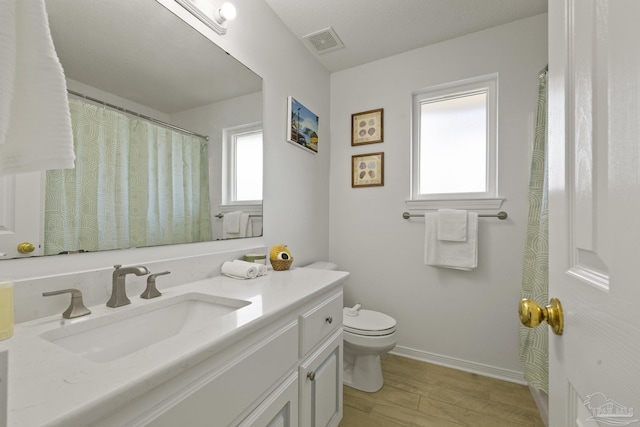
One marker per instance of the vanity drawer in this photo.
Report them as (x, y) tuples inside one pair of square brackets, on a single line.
[(219, 396), (319, 322)]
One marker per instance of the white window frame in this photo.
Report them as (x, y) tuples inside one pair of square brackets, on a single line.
[(480, 200), (229, 136)]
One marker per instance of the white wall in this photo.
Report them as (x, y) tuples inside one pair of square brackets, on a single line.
[(211, 120), (296, 189), (466, 319), (296, 184)]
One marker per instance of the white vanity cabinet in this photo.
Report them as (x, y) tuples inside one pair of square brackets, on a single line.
[(320, 371), (287, 374), (223, 389)]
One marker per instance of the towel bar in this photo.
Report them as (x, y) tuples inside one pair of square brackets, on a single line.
[(499, 215), (221, 215)]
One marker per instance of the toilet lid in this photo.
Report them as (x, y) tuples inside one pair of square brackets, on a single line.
[(369, 323)]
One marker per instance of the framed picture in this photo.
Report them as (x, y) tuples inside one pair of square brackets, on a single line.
[(367, 127), (367, 170), (302, 126)]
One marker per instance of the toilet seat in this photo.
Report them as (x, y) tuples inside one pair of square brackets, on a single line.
[(368, 323)]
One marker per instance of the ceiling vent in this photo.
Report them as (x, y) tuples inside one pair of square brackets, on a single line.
[(323, 41)]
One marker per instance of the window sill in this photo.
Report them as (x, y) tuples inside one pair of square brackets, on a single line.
[(469, 204), (249, 207)]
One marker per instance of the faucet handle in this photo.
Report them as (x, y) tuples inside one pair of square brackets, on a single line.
[(152, 291), (76, 308)]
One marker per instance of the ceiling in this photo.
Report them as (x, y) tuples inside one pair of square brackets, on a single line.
[(375, 29)]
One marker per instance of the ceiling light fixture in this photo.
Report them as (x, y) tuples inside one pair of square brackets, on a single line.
[(214, 18)]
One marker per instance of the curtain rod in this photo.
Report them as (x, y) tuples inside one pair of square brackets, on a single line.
[(142, 116)]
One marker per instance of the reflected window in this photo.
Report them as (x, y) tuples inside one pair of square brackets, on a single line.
[(243, 146)]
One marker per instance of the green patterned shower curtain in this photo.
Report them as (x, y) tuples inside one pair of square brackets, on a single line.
[(534, 348), (135, 184)]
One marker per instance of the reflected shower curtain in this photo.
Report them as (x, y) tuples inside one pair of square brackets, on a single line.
[(135, 184), (534, 349)]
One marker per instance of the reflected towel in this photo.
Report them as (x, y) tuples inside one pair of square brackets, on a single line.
[(256, 222), (35, 124), (456, 255), (239, 271), (231, 222), (452, 225), (246, 226)]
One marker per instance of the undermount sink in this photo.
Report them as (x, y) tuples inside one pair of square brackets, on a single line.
[(116, 335)]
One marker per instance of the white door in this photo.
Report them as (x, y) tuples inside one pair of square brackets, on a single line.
[(21, 214), (594, 208)]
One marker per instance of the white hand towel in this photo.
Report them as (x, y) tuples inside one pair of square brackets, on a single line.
[(8, 47), (256, 221), (239, 271), (35, 124), (231, 222), (262, 269), (452, 225), (246, 226), (456, 255)]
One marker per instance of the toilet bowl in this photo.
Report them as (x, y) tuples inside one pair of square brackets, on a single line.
[(368, 336)]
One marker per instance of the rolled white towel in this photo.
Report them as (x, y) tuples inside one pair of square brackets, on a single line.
[(262, 269), (239, 271)]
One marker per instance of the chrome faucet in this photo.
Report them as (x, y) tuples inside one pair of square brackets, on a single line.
[(118, 291)]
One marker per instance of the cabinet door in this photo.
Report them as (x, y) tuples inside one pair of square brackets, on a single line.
[(280, 409), (321, 384)]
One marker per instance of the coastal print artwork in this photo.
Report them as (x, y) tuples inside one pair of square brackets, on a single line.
[(302, 126)]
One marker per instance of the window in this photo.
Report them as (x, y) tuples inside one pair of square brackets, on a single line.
[(454, 141), (243, 164)]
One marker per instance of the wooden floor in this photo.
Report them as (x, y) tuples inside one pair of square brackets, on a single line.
[(421, 394)]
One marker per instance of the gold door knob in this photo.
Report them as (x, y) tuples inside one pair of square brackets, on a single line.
[(26, 248), (531, 314)]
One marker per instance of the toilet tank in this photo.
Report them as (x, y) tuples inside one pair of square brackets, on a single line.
[(322, 265)]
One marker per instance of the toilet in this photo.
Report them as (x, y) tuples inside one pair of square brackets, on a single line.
[(368, 336)]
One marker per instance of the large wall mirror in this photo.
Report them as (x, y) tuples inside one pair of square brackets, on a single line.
[(127, 62)]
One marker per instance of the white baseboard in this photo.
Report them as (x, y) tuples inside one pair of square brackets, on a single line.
[(462, 365)]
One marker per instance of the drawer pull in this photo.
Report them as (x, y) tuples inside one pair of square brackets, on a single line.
[(329, 319), (311, 375)]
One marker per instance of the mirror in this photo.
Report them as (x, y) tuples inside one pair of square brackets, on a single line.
[(141, 57)]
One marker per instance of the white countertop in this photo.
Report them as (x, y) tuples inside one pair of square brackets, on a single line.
[(49, 385)]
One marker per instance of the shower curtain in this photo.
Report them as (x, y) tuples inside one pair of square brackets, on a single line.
[(135, 184), (534, 350)]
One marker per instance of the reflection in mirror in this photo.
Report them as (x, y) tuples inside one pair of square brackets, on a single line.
[(138, 182)]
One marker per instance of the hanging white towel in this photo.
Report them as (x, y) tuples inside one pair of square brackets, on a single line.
[(452, 225), (8, 66), (256, 222), (35, 124), (456, 255), (231, 222), (246, 228)]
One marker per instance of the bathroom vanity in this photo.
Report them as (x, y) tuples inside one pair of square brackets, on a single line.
[(215, 352)]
